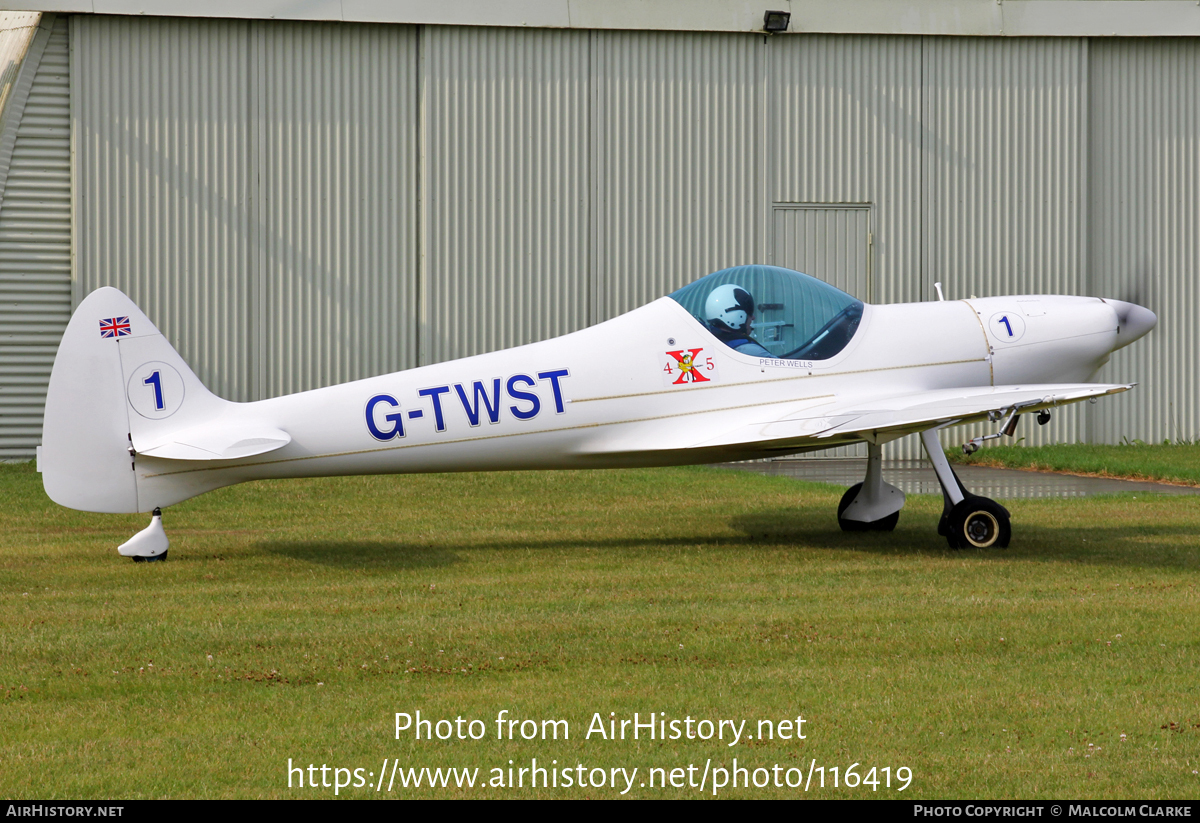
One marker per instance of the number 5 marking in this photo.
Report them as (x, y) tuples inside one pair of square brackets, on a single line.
[(156, 380), (1003, 320)]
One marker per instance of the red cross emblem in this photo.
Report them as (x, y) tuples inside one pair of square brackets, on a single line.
[(689, 371)]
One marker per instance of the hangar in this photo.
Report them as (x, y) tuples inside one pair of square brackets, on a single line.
[(304, 194)]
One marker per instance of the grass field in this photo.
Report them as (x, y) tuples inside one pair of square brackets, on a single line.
[(294, 619), (1173, 463)]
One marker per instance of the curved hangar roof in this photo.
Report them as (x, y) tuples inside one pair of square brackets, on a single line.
[(1017, 18)]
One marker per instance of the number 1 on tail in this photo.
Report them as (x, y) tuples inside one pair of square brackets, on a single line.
[(155, 380)]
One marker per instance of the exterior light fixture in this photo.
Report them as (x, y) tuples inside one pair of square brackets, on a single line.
[(774, 21)]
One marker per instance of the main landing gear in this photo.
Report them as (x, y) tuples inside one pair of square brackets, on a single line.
[(871, 505), (968, 520)]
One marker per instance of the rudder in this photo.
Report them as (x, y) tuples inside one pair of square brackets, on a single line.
[(116, 382)]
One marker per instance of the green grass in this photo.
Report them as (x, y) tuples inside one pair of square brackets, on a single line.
[(1173, 463), (294, 618)]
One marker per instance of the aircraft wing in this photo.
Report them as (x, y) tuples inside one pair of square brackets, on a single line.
[(893, 416)]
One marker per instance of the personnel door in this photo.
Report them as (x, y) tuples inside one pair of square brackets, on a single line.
[(829, 242)]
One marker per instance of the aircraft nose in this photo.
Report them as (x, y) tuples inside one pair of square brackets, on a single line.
[(1133, 321)]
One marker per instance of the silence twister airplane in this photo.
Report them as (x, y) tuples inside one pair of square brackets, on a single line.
[(749, 362)]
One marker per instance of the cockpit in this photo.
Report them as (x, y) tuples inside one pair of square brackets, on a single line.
[(767, 311)]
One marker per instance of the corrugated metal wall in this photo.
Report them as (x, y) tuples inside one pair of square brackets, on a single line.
[(678, 171), (506, 153), (1003, 165), (35, 245), (252, 187), (1004, 144), (1144, 196), (301, 204), (845, 127), (164, 182), (337, 215)]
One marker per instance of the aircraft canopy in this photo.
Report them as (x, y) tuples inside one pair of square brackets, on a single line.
[(794, 316)]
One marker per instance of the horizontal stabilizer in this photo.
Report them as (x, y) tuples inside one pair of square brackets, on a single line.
[(216, 440)]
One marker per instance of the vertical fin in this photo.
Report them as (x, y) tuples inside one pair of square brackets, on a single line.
[(116, 383)]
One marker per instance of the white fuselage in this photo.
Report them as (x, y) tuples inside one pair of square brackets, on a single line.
[(612, 394)]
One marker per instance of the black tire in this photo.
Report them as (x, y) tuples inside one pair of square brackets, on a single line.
[(978, 523), (847, 499), (884, 524), (944, 528), (156, 559)]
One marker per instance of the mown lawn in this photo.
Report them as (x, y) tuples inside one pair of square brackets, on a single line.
[(294, 619), (1172, 462)]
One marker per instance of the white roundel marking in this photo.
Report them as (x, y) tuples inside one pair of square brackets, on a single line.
[(155, 390), (1006, 326)]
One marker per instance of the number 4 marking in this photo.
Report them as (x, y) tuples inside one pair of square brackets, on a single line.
[(155, 380), (1003, 320)]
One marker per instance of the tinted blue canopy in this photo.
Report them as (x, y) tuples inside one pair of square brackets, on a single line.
[(795, 316)]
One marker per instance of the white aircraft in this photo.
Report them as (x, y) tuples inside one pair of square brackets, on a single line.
[(749, 362)]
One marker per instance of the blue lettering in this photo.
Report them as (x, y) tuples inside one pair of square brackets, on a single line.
[(472, 409), (519, 396), (436, 394), (156, 381), (553, 376), (415, 413), (397, 430)]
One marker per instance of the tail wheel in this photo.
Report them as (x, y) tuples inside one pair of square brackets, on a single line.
[(978, 523), (884, 524)]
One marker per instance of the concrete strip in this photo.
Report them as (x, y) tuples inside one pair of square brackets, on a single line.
[(917, 477)]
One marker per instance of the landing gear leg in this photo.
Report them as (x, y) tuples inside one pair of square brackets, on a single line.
[(871, 505), (149, 544), (968, 520)]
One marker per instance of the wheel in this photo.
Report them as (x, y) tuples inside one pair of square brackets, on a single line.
[(884, 524), (157, 558), (978, 523), (850, 525)]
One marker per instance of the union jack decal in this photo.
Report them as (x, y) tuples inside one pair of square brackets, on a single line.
[(114, 327)]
